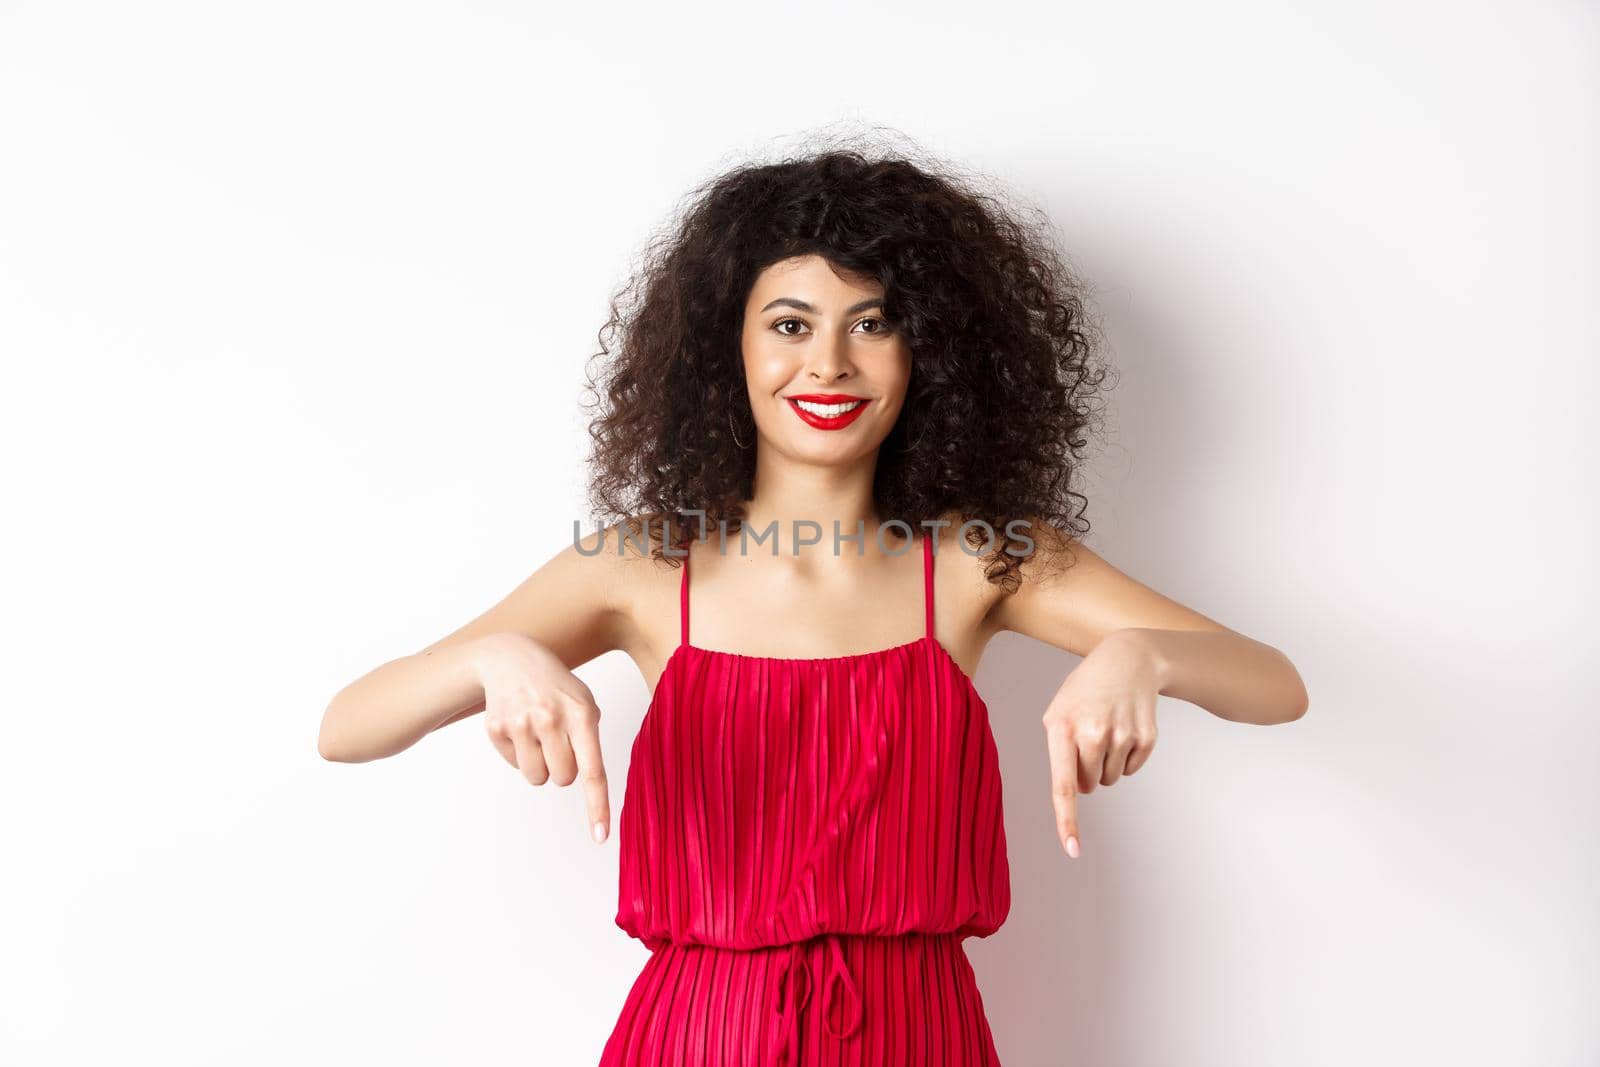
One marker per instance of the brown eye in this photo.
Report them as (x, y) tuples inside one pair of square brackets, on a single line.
[(780, 323), (882, 325)]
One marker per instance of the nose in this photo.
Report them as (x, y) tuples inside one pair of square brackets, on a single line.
[(828, 359)]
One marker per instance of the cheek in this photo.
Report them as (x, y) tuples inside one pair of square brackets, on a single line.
[(900, 380), (765, 371)]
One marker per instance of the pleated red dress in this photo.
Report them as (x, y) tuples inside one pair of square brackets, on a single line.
[(805, 844)]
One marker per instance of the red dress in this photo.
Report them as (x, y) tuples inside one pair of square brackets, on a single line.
[(805, 843)]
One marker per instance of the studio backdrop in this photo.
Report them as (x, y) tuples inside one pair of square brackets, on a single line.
[(295, 303)]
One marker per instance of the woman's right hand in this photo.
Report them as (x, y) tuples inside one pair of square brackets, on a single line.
[(543, 720)]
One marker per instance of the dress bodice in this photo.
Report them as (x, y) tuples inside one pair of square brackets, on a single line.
[(770, 800)]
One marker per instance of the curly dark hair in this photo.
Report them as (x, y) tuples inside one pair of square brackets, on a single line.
[(1005, 377)]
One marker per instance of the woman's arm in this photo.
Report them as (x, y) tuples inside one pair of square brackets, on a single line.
[(570, 608), (1136, 644), (1192, 657)]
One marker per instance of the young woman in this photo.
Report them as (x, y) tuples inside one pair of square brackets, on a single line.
[(852, 355)]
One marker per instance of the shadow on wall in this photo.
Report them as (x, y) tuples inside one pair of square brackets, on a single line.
[(1057, 979)]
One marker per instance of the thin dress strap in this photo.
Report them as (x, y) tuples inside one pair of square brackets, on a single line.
[(683, 600), (927, 581)]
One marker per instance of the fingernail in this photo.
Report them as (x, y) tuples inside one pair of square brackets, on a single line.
[(599, 831), (1072, 845)]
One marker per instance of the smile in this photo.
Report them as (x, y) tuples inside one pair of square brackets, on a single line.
[(828, 412)]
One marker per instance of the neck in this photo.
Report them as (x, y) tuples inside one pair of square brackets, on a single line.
[(790, 495)]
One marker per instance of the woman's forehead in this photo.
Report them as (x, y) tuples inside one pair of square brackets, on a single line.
[(816, 275)]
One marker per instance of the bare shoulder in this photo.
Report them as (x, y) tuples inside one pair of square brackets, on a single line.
[(642, 589), (964, 593), (1052, 557)]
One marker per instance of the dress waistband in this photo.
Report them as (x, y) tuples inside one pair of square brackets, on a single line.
[(796, 979)]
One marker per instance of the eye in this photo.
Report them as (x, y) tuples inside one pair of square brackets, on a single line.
[(779, 326), (883, 324)]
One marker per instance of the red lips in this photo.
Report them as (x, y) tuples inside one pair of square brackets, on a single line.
[(837, 422)]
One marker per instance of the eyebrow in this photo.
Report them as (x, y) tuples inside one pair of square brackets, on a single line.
[(789, 301)]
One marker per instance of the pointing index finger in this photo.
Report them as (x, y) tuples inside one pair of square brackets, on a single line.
[(1064, 784), (592, 773)]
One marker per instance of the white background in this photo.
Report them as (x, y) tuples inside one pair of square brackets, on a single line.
[(294, 304)]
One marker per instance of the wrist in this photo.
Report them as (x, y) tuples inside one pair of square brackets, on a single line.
[(480, 653), (1151, 653)]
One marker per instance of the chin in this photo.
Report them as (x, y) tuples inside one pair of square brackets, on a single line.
[(823, 453), (837, 457)]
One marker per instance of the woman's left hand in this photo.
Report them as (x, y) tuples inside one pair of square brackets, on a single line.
[(1101, 724)]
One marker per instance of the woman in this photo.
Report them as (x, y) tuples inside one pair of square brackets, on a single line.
[(838, 346)]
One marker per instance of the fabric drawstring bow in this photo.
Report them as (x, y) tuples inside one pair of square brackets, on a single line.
[(791, 999)]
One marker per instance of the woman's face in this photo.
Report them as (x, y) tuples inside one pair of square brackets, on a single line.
[(826, 374)]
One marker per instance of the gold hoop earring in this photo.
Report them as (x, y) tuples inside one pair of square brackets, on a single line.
[(734, 432), (911, 446)]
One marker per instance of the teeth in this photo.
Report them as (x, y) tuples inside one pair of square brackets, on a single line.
[(829, 411)]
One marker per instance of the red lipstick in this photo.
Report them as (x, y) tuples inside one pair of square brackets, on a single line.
[(827, 422)]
